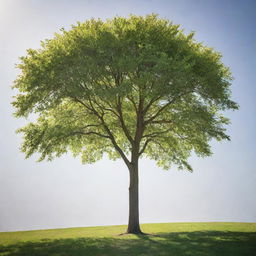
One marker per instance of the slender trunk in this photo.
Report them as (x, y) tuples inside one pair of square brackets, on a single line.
[(134, 225)]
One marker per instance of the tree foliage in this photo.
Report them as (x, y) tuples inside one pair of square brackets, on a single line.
[(123, 86)]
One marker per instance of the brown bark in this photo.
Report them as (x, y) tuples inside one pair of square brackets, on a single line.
[(133, 224)]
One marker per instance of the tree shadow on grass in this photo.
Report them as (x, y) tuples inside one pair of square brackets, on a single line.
[(201, 243)]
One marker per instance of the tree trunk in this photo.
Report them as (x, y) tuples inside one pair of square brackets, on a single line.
[(134, 225)]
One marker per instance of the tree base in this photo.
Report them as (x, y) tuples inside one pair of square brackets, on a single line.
[(139, 233), (134, 230), (133, 233)]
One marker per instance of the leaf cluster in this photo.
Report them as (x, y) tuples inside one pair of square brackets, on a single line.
[(125, 87)]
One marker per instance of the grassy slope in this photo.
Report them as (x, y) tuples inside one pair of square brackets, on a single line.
[(167, 239)]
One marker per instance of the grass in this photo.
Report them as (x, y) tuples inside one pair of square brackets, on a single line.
[(175, 239)]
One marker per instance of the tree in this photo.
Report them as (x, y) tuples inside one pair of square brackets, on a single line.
[(127, 88)]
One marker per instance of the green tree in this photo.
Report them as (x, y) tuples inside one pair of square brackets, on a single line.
[(127, 88)]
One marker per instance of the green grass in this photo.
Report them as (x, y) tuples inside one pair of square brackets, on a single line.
[(175, 239)]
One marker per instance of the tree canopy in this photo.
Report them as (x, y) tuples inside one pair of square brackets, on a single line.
[(120, 86)]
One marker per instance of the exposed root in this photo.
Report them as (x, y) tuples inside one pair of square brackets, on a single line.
[(137, 233)]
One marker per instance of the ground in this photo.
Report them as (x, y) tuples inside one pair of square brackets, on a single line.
[(197, 239)]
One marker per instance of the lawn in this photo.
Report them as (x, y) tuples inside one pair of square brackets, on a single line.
[(197, 239)]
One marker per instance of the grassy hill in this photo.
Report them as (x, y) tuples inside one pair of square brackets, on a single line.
[(175, 239)]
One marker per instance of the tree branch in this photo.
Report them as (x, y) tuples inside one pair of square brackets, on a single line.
[(82, 103), (133, 103), (144, 146), (104, 108), (124, 127), (111, 136), (88, 133), (163, 121), (150, 104), (165, 106), (155, 134)]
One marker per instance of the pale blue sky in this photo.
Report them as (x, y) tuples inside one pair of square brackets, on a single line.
[(65, 193)]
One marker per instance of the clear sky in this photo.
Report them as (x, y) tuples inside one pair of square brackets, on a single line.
[(65, 193)]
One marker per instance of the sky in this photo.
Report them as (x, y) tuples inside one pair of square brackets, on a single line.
[(65, 193)]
